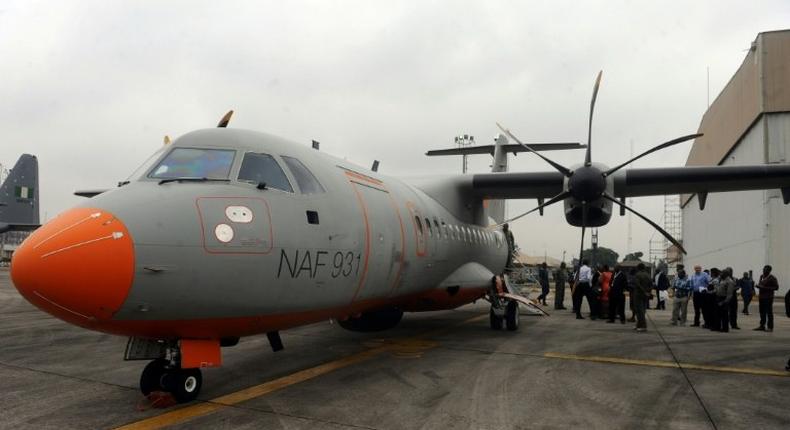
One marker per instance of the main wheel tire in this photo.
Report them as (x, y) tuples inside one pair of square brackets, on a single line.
[(151, 378), (184, 384), (511, 315), (496, 320)]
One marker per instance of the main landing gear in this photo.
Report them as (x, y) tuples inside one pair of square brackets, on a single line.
[(505, 315), (504, 310)]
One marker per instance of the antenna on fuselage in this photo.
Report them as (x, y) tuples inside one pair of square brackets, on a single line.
[(316, 145), (375, 166), (223, 123)]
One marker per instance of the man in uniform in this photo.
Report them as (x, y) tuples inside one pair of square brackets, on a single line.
[(641, 295), (543, 279), (725, 292), (560, 278)]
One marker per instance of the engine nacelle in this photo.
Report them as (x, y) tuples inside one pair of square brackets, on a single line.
[(599, 212)]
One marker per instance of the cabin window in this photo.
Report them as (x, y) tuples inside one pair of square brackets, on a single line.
[(428, 225), (195, 163), (307, 182), (419, 225), (262, 169), (436, 227)]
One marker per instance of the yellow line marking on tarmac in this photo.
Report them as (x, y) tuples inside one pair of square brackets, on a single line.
[(667, 364), (411, 345)]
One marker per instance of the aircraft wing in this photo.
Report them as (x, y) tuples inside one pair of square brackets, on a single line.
[(707, 179), (517, 185), (642, 182)]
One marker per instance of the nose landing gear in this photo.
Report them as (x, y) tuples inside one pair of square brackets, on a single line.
[(175, 368), (183, 384)]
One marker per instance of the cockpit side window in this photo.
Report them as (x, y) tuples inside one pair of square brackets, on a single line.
[(263, 169), (305, 179), (195, 163)]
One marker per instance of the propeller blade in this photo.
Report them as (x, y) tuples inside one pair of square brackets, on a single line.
[(657, 148), (588, 156), (551, 201), (581, 245), (223, 123), (655, 226), (562, 169)]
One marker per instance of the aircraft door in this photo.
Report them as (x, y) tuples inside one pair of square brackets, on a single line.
[(383, 256)]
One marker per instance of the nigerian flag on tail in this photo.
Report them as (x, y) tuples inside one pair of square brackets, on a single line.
[(23, 192)]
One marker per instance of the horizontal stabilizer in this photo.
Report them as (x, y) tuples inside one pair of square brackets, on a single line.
[(510, 148)]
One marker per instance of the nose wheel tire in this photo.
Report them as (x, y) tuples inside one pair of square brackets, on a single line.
[(151, 379), (183, 384)]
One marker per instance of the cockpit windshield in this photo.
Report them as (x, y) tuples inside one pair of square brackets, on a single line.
[(195, 163)]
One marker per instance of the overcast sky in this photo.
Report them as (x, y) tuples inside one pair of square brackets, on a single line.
[(91, 87)]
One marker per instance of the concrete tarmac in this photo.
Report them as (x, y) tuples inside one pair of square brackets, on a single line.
[(436, 370)]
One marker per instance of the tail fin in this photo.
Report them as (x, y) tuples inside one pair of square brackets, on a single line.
[(496, 208), (19, 196)]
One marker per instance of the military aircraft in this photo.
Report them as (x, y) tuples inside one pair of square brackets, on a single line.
[(19, 196), (226, 233)]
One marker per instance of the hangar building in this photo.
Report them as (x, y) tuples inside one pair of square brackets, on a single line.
[(748, 123)]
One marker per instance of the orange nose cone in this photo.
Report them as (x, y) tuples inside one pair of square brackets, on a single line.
[(78, 267)]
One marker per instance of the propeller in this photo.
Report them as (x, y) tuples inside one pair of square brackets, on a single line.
[(588, 155), (650, 151), (647, 220), (588, 183), (562, 169)]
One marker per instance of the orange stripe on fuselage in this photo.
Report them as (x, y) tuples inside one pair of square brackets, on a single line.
[(402, 243), (361, 177), (364, 208)]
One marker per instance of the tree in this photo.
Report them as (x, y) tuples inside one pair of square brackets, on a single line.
[(601, 255), (634, 256)]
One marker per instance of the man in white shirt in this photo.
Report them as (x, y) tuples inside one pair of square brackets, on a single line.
[(582, 289)]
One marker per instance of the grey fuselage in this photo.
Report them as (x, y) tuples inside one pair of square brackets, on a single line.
[(367, 247)]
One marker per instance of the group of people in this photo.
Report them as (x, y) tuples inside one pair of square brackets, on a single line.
[(714, 294)]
